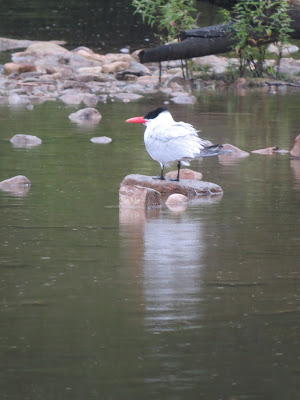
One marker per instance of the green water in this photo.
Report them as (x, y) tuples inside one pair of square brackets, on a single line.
[(102, 304)]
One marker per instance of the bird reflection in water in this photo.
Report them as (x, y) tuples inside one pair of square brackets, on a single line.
[(168, 247)]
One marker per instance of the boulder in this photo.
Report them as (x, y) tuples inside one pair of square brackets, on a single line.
[(71, 98), (188, 188), (15, 183), (21, 140), (76, 61), (184, 99), (185, 173), (16, 99), (113, 57), (286, 49), (114, 67), (90, 70), (90, 100), (13, 68), (46, 48), (126, 97), (289, 66), (135, 69), (235, 154), (86, 115), (295, 152), (138, 196), (101, 140), (88, 53), (9, 44), (270, 151), (91, 77)]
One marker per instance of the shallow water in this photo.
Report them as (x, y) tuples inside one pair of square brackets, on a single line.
[(98, 303)]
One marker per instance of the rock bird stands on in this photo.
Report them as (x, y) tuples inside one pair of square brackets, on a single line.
[(168, 141)]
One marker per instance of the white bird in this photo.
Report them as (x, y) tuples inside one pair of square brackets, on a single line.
[(168, 141)]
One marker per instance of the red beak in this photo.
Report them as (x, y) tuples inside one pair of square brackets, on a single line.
[(137, 120)]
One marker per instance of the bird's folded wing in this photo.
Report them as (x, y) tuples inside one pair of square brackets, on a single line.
[(167, 132)]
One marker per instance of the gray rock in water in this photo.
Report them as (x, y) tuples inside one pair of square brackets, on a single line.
[(86, 115), (101, 140), (21, 140), (17, 185), (233, 155), (270, 151)]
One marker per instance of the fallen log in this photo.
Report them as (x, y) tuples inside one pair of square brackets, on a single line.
[(214, 39)]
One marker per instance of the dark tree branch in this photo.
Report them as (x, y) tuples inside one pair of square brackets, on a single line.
[(215, 39)]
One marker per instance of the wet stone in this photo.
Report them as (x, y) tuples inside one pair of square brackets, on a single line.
[(188, 188), (21, 140)]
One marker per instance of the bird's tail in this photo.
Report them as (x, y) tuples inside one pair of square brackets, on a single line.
[(213, 150)]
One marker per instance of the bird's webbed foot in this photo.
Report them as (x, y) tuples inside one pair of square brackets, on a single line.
[(161, 178)]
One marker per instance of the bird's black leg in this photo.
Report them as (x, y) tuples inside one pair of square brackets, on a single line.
[(178, 173), (161, 177)]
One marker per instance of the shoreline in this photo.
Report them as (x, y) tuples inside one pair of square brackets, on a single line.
[(46, 71)]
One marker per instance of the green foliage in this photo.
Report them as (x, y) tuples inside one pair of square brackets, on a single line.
[(168, 17), (255, 24)]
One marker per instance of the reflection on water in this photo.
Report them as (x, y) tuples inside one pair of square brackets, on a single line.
[(295, 168), (171, 256)]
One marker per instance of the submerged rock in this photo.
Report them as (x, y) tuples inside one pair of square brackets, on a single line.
[(295, 152), (234, 154), (21, 140), (101, 140), (270, 151), (86, 115)]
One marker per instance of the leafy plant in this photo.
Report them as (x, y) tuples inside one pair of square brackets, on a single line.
[(256, 24), (168, 17)]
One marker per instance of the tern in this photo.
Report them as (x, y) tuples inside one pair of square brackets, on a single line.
[(168, 141)]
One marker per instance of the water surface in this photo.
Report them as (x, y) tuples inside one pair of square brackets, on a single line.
[(99, 303)]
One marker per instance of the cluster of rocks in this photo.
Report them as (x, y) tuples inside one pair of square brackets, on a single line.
[(47, 71)]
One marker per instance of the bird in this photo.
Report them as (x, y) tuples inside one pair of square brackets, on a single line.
[(168, 141)]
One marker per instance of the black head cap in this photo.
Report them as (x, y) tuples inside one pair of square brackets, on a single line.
[(153, 114)]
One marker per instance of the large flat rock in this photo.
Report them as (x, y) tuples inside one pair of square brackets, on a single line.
[(189, 188)]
